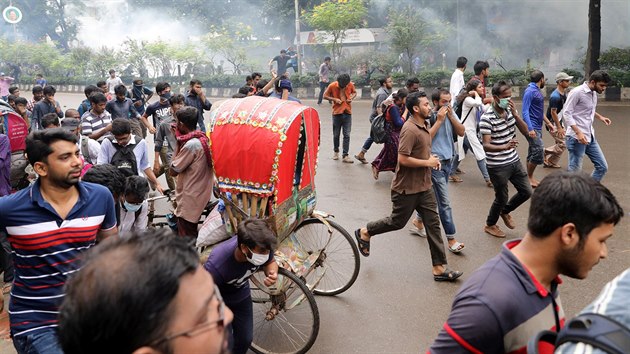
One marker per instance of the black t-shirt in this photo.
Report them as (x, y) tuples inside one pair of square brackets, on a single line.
[(282, 63), (159, 112)]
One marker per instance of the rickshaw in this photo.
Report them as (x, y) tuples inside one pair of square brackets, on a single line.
[(265, 156)]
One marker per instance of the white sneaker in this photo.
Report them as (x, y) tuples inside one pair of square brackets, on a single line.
[(347, 159), (336, 156), (418, 232)]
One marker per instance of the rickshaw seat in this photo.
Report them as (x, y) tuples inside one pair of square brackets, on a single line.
[(244, 205)]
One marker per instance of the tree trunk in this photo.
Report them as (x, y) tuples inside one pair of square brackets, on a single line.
[(594, 37)]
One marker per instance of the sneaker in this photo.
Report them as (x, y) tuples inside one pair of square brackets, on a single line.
[(494, 230), (418, 232), (347, 159), (455, 178), (508, 221), (336, 156)]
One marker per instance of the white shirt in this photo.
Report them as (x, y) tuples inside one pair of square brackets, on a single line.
[(94, 148), (457, 83), (111, 83), (128, 221)]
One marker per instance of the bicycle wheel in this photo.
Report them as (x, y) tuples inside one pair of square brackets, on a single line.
[(286, 319), (340, 260)]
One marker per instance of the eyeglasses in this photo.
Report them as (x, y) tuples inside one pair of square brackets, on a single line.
[(202, 327)]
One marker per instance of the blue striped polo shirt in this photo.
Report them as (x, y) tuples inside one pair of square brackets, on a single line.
[(47, 248), (499, 308)]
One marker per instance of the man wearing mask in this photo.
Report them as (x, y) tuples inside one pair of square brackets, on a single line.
[(196, 98), (533, 115), (231, 264), (140, 95)]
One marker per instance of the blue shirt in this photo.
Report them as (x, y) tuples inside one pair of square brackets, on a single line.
[(533, 107), (122, 109), (194, 101), (47, 249), (442, 142), (498, 309), (140, 150), (85, 106)]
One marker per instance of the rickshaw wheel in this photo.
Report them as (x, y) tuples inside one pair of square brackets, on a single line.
[(340, 261), (286, 318)]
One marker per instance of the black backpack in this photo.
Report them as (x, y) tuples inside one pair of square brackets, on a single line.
[(380, 128), (124, 159), (600, 331)]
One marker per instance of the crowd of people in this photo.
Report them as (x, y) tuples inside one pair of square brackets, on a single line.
[(84, 175)]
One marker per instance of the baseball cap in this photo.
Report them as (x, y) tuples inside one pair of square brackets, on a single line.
[(70, 123), (563, 76)]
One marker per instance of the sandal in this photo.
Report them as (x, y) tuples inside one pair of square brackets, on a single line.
[(374, 172), (364, 246), (457, 247), (448, 275)]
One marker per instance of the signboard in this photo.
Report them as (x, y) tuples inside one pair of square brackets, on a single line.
[(12, 14), (351, 36)]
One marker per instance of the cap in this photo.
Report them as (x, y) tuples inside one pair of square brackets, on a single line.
[(70, 123), (563, 76)]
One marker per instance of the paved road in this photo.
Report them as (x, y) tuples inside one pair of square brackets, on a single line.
[(395, 306)]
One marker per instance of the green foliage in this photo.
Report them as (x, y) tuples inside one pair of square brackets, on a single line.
[(617, 62), (335, 18)]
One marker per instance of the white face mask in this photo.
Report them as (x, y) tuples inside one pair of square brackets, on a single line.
[(257, 259)]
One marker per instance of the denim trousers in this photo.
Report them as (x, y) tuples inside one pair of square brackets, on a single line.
[(340, 121), (322, 89), (43, 341), (536, 149), (242, 327), (440, 187), (500, 176), (592, 150), (403, 205)]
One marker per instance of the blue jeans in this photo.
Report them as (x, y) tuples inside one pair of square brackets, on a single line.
[(322, 89), (439, 178), (42, 341), (242, 326), (535, 151), (367, 145), (592, 150), (340, 121), (202, 125)]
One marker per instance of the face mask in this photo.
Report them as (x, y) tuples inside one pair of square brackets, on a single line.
[(257, 259), (132, 207), (138, 85), (504, 103), (166, 96)]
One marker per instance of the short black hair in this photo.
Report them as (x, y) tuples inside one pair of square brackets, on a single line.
[(255, 75), (71, 111), (499, 87), (282, 51), (50, 119), (101, 83), (21, 100), (112, 71), (49, 91), (536, 75), (106, 175), (600, 76), (37, 89), (175, 99), (89, 89), (461, 62), (161, 86), (400, 94), (382, 80), (97, 97), (194, 82), (137, 81), (435, 95), (261, 84), (248, 78), (412, 81), (480, 66), (137, 185), (120, 90), (327, 58), (571, 197), (254, 232), (121, 126), (239, 95), (343, 80), (413, 99), (12, 89), (38, 143), (136, 278), (11, 98), (188, 116), (245, 89)]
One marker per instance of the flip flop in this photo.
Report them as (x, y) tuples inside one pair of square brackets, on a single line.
[(364, 246), (448, 275), (457, 247)]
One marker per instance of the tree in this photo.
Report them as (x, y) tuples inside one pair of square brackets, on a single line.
[(335, 18), (136, 56), (410, 32), (280, 16), (594, 37)]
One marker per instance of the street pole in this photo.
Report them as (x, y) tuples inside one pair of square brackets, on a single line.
[(458, 50), (297, 37)]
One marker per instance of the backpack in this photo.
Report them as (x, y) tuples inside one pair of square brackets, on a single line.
[(85, 151), (600, 331), (124, 159), (457, 105), (380, 129)]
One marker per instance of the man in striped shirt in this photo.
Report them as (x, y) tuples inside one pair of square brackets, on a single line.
[(49, 225), (97, 122), (498, 129)]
